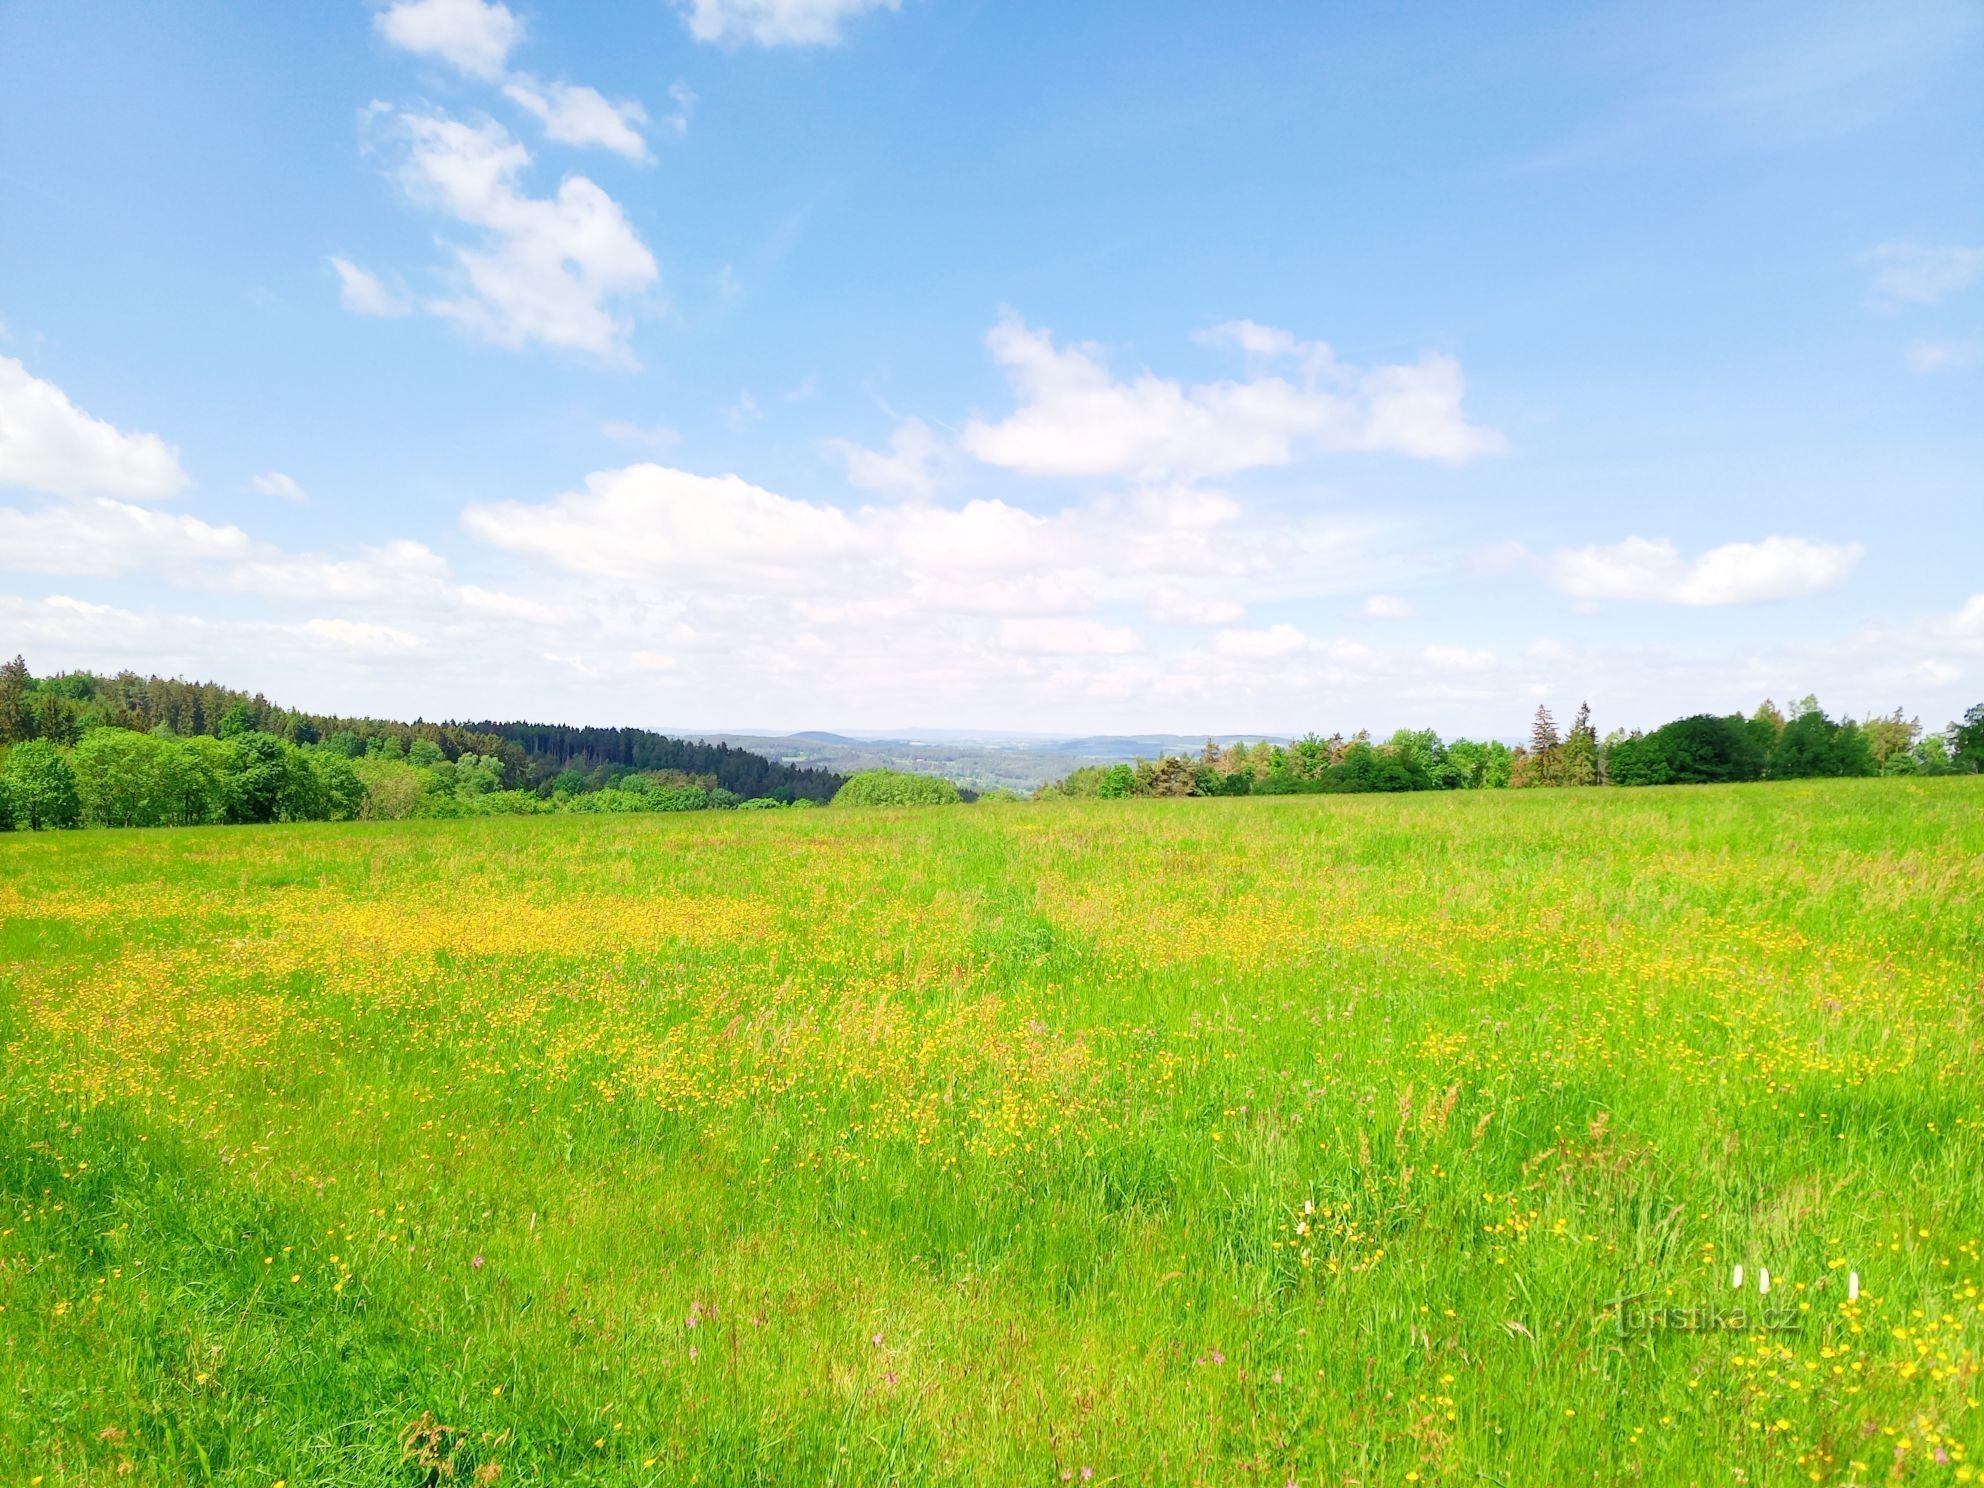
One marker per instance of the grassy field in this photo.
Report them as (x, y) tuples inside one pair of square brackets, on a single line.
[(1299, 1140)]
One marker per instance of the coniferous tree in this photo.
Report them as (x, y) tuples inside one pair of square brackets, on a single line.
[(1545, 759), (1578, 755), (16, 703)]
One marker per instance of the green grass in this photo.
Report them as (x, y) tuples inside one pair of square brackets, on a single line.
[(977, 1145)]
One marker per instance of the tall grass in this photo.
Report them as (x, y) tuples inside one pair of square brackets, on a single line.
[(1309, 1140)]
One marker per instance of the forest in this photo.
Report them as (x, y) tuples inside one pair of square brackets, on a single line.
[(79, 749), (1701, 749)]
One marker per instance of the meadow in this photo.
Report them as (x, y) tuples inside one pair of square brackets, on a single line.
[(1313, 1140)]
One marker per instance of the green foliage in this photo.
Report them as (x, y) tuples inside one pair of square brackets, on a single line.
[(1813, 745), (41, 788), (1476, 765), (125, 779), (16, 703), (1892, 740), (1578, 762), (1174, 775), (339, 788), (1698, 750), (392, 788), (257, 779), (554, 752), (239, 719), (896, 788), (1967, 740), (1116, 783)]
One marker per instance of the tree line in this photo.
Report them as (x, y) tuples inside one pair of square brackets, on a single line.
[(127, 751), (1705, 748)]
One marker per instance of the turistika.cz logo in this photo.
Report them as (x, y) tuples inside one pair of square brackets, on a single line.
[(1635, 1315)]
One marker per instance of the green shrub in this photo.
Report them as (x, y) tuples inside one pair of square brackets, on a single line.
[(896, 788)]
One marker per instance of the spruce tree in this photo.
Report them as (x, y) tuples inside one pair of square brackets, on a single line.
[(1546, 750), (16, 702), (1579, 752)]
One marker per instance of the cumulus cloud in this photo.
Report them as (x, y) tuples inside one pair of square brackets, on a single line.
[(476, 37), (393, 570), (1177, 607), (1275, 640), (1387, 607), (576, 115), (775, 22), (282, 487), (472, 36), (904, 466), (1076, 418), (1922, 273), (1459, 658), (359, 635), (550, 270), (647, 521), (361, 292), (105, 537), (1969, 621), (1736, 573), (49, 444), (1065, 637)]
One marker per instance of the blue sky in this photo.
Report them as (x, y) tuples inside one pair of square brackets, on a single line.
[(838, 363)]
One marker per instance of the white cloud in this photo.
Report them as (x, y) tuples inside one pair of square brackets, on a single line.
[(775, 22), (689, 533), (472, 36), (1967, 623), (655, 436), (1175, 607), (1922, 273), (1387, 607), (1459, 659), (476, 37), (1276, 640), (745, 412), (101, 536), (1076, 419), (395, 570), (684, 99), (1940, 356), (283, 488), (492, 602), (1736, 573), (904, 466), (362, 294), (980, 536), (1057, 637), (49, 444), (547, 270), (1251, 337), (358, 635), (647, 521), (576, 115)]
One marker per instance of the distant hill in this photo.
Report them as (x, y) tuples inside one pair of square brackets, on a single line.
[(68, 704), (1114, 747), (998, 762), (553, 747)]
